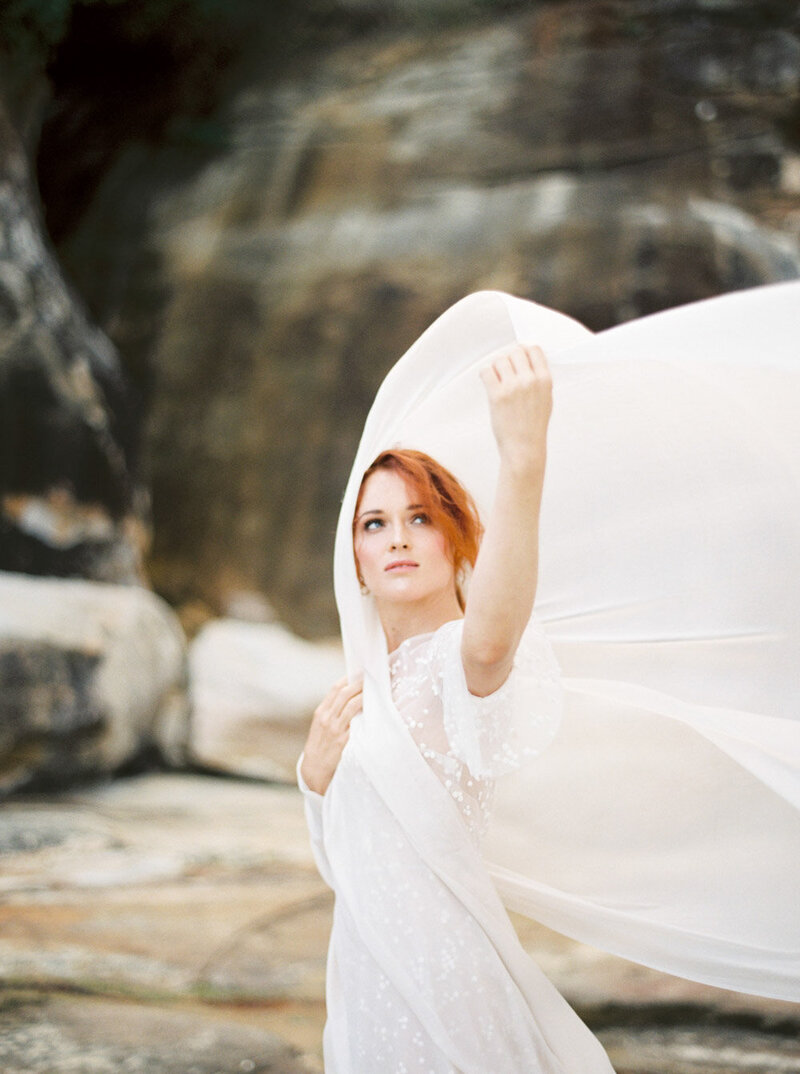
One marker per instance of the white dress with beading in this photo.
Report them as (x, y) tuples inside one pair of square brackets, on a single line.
[(435, 994)]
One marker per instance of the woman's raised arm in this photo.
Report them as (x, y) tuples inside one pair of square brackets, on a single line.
[(503, 585)]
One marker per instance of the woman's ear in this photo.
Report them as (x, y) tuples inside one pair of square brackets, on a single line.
[(463, 574)]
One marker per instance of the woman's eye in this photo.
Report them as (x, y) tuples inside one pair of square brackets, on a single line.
[(373, 524), (420, 518)]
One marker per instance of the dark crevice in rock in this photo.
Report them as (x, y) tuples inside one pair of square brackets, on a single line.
[(59, 762), (789, 126), (130, 72), (69, 422), (42, 443), (199, 768), (102, 560), (686, 1015)]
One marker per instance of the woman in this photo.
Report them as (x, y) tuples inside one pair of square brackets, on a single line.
[(437, 995), (678, 626)]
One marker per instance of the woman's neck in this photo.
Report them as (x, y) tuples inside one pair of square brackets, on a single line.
[(402, 621)]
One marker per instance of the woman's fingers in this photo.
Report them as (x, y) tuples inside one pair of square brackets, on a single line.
[(329, 732), (511, 362), (528, 359), (489, 376), (340, 691), (538, 360), (514, 364), (343, 697), (349, 710), (347, 692), (518, 386), (348, 703)]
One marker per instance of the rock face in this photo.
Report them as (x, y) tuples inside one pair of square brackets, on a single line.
[(254, 687), (69, 504), (91, 676), (607, 159)]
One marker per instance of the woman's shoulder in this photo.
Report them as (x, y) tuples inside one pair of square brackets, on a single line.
[(448, 630), (425, 654)]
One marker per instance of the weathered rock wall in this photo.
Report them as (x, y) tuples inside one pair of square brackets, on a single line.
[(69, 502), (92, 676), (609, 159)]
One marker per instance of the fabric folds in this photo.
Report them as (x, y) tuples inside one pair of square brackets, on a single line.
[(663, 821)]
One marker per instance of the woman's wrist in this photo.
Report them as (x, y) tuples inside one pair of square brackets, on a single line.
[(313, 778), (524, 464)]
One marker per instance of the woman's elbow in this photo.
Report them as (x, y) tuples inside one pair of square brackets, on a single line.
[(486, 654), (489, 650), (487, 668)]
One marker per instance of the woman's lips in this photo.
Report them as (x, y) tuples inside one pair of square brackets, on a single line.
[(400, 564)]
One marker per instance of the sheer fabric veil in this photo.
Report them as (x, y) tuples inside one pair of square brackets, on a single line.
[(663, 823)]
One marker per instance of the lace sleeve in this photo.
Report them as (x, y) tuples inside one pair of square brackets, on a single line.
[(496, 734)]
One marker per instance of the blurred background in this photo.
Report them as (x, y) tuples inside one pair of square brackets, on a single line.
[(221, 223), (260, 205)]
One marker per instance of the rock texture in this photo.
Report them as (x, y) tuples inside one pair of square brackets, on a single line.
[(91, 677), (254, 687), (69, 503), (608, 159), (65, 1035), (176, 923)]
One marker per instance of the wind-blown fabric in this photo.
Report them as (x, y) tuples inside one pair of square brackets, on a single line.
[(663, 822)]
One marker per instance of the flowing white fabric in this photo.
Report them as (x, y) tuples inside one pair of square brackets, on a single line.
[(663, 821)]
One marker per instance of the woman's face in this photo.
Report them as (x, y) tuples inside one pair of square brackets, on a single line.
[(402, 556)]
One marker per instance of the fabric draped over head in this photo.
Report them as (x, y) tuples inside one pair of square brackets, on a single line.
[(663, 824)]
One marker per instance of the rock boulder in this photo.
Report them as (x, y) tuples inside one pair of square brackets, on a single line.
[(254, 687), (91, 676)]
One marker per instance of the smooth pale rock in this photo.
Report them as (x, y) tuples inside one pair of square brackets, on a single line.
[(91, 675), (173, 889), (67, 1035), (166, 889), (254, 687)]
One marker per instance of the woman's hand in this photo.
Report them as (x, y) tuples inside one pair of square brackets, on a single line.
[(520, 392), (329, 732)]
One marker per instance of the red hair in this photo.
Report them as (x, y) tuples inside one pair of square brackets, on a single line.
[(450, 507)]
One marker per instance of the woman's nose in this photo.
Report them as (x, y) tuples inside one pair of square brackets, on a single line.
[(399, 538)]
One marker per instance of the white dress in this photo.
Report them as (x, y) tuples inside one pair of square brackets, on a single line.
[(663, 822), (415, 982)]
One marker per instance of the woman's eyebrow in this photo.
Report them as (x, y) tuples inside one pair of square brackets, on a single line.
[(379, 510)]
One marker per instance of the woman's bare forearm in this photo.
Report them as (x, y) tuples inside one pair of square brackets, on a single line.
[(503, 586)]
